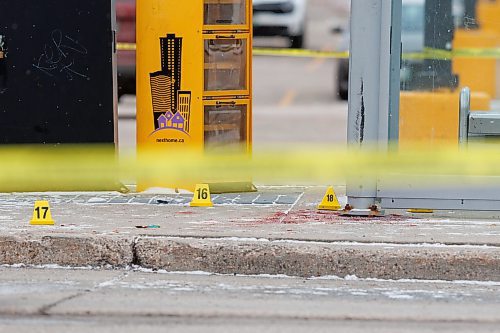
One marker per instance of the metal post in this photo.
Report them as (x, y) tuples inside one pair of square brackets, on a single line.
[(463, 128), (373, 68), (395, 72)]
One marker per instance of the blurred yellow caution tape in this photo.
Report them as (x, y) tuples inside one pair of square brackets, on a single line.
[(428, 53), (278, 52), (126, 46), (493, 53), (485, 53), (41, 168)]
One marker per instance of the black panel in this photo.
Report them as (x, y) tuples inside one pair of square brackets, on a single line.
[(439, 32), (56, 79)]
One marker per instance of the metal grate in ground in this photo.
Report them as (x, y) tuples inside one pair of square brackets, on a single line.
[(149, 199)]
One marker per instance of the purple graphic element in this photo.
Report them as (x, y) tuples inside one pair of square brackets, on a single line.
[(162, 121), (169, 115), (178, 121), (171, 121)]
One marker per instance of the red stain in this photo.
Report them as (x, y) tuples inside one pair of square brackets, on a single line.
[(186, 213), (308, 216)]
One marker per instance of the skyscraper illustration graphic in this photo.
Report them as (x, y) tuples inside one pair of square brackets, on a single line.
[(171, 105), (171, 60), (161, 91), (184, 105)]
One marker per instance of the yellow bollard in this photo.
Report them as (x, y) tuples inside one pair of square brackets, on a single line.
[(432, 117)]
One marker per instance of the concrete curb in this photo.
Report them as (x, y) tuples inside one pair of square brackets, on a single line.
[(307, 259), (247, 256), (66, 251)]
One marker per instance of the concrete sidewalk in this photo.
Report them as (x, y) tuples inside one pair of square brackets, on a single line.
[(275, 231)]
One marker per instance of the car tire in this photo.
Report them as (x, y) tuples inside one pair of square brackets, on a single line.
[(297, 42), (343, 80), (343, 94)]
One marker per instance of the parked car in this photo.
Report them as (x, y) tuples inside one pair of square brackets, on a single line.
[(125, 17), (286, 18), (412, 37)]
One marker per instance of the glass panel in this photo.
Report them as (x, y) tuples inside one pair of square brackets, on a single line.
[(225, 64), (427, 25), (430, 75), (225, 127), (413, 72), (225, 12)]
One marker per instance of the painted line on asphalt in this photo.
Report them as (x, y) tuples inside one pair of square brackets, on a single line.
[(288, 98), (316, 63)]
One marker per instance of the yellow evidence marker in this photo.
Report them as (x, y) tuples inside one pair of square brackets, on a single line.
[(41, 214), (330, 201), (201, 197)]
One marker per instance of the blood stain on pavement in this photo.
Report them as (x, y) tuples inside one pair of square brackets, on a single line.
[(308, 216)]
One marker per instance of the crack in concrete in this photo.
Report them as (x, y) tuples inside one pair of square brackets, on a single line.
[(44, 310), (135, 257)]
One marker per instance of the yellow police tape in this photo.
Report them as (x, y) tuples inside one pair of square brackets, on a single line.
[(41, 168), (126, 46), (428, 53)]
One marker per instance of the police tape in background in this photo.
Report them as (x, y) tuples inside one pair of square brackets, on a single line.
[(65, 168), (428, 53)]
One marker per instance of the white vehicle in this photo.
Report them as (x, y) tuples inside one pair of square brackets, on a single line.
[(285, 18)]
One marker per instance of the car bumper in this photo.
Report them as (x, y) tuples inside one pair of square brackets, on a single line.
[(265, 24), (271, 31)]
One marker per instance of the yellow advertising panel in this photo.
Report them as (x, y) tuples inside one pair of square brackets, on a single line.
[(169, 74), (169, 78), (193, 78)]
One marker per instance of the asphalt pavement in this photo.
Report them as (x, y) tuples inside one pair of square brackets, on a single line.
[(138, 300)]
